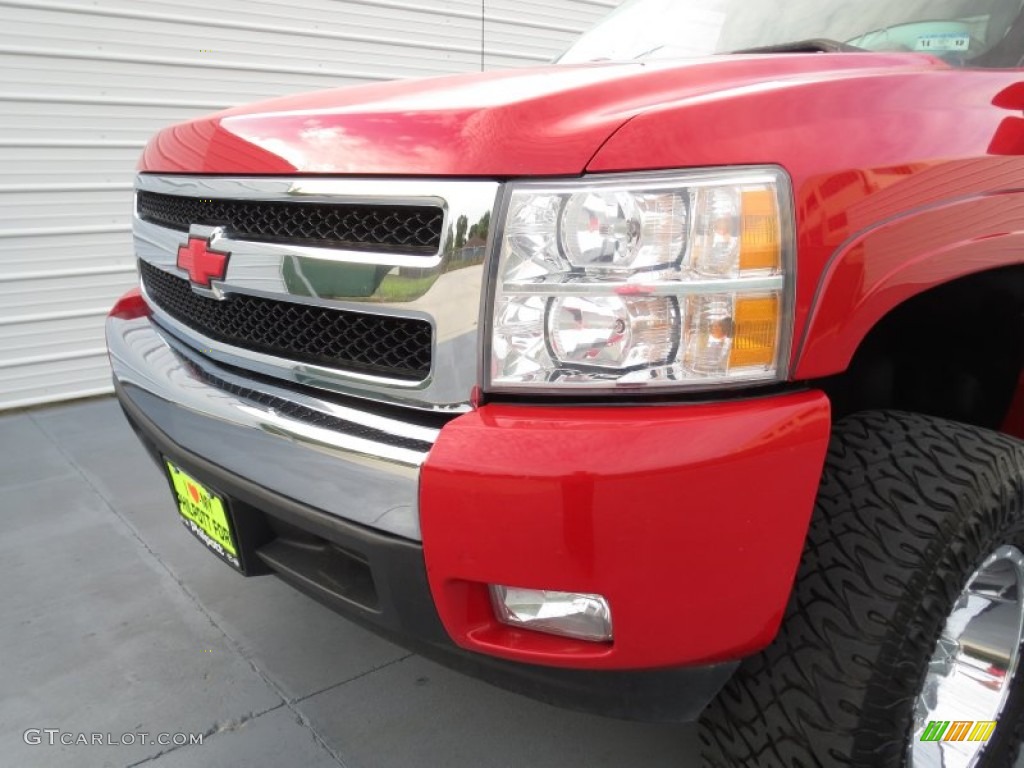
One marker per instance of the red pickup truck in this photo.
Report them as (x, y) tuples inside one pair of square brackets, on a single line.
[(681, 379)]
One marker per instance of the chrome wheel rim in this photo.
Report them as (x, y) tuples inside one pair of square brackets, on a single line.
[(971, 671)]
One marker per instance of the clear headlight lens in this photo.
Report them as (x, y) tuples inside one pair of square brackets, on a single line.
[(612, 332), (621, 230), (657, 280)]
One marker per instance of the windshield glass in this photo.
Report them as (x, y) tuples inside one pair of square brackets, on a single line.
[(963, 32)]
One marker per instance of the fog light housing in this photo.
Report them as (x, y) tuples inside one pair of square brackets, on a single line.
[(569, 614)]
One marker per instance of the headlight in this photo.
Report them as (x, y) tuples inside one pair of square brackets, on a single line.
[(655, 280)]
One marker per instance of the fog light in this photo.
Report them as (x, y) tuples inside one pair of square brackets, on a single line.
[(570, 614)]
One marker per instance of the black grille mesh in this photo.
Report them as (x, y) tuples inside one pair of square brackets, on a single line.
[(391, 228), (395, 347)]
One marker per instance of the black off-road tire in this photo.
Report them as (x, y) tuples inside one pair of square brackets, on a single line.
[(909, 507)]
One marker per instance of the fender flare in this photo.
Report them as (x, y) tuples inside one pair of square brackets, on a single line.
[(878, 269)]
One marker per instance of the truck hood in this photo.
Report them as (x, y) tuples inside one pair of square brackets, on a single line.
[(542, 121)]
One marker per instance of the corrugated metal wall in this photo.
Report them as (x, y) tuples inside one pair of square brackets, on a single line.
[(83, 83)]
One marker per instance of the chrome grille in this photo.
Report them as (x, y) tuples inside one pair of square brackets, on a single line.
[(407, 229), (364, 287), (393, 347)]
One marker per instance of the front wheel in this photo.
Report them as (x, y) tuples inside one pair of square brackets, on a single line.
[(902, 642)]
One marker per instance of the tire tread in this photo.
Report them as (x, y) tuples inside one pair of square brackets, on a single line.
[(875, 569)]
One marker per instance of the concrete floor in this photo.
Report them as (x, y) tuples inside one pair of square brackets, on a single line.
[(114, 620)]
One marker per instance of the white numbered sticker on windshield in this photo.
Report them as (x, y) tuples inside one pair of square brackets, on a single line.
[(953, 41)]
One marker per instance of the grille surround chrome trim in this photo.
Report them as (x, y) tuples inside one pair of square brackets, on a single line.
[(449, 298)]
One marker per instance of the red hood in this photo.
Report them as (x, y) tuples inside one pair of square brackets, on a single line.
[(544, 121)]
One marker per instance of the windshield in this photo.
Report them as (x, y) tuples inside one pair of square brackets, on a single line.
[(963, 32)]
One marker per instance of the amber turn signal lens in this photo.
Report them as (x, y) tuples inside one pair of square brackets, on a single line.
[(760, 239), (755, 331)]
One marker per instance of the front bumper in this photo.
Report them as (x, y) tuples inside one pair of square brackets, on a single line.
[(380, 582), (689, 519), (351, 462)]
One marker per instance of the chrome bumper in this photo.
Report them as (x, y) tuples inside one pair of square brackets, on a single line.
[(348, 462)]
